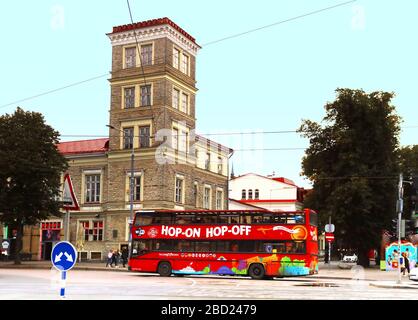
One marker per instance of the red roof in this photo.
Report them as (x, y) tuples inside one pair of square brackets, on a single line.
[(280, 179), (284, 180), (84, 146), (151, 23)]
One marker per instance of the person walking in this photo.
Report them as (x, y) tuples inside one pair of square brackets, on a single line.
[(109, 258), (124, 257), (116, 257), (405, 261)]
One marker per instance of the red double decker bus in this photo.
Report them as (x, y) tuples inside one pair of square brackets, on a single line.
[(260, 244)]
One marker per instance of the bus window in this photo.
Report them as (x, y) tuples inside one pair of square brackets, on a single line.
[(162, 218), (313, 218), (270, 247), (278, 218), (143, 219), (166, 218), (290, 247), (267, 218), (140, 247), (290, 218), (182, 219), (204, 246), (222, 219), (234, 247), (257, 219), (233, 219), (246, 219), (246, 246), (164, 245), (300, 247), (300, 218), (209, 219), (185, 246)]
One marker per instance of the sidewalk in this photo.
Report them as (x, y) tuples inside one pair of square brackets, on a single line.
[(93, 266), (375, 277)]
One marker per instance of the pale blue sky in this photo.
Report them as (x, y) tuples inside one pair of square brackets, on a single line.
[(263, 81)]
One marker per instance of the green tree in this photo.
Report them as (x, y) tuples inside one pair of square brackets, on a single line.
[(30, 171), (408, 159), (352, 162)]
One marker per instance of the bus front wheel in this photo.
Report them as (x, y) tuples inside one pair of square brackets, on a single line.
[(256, 271), (164, 269)]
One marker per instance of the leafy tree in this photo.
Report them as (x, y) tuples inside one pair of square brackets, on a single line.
[(30, 171), (352, 162), (408, 158)]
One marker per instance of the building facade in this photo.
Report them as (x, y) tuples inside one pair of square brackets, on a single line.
[(152, 117), (271, 193)]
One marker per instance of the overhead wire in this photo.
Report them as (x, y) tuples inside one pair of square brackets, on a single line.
[(165, 57)]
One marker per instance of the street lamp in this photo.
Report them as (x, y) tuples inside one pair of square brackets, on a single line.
[(131, 188)]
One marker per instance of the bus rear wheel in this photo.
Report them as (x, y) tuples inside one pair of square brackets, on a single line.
[(256, 271), (164, 269)]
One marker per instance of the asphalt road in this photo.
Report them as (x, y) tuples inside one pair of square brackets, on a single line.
[(30, 284)]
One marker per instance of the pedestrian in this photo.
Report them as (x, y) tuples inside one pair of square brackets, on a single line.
[(405, 256), (109, 258), (124, 256), (116, 256)]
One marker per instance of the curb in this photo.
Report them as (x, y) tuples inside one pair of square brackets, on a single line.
[(392, 285)]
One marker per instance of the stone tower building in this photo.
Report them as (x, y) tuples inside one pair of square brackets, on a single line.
[(152, 117)]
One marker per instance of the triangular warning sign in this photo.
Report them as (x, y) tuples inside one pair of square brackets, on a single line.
[(68, 197)]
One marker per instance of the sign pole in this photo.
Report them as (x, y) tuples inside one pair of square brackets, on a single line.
[(329, 247), (63, 258), (400, 209), (63, 278)]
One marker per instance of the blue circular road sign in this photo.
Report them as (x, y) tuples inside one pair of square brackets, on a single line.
[(64, 256)]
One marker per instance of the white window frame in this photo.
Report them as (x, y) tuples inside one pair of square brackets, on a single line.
[(137, 174), (131, 65), (176, 57), (176, 100), (219, 200), (151, 62), (150, 95), (179, 191), (125, 96), (185, 63), (92, 173), (207, 199), (91, 223)]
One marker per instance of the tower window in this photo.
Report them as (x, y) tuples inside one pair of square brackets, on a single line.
[(184, 102), (130, 57), (128, 138), (185, 64), (144, 136), (176, 97), (176, 58), (129, 94), (146, 55), (146, 95)]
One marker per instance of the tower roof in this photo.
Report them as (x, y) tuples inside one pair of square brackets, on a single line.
[(152, 23)]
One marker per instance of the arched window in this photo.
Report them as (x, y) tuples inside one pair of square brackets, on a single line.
[(257, 194), (250, 194), (243, 194)]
